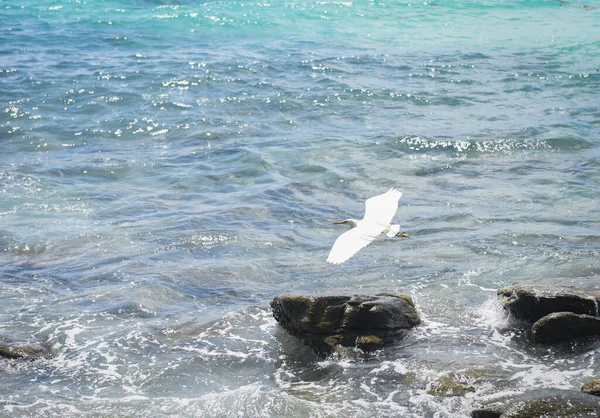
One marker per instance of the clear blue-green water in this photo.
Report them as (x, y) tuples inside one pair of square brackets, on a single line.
[(167, 169)]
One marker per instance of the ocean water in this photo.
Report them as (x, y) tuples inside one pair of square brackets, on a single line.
[(167, 168)]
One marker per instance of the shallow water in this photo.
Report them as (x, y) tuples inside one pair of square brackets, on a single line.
[(167, 169)]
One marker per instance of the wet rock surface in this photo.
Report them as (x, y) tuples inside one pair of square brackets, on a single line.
[(533, 300), (562, 326), (488, 412), (592, 387), (327, 321), (549, 403), (560, 310)]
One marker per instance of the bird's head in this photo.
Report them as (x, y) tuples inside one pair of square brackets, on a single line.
[(351, 222), (403, 235)]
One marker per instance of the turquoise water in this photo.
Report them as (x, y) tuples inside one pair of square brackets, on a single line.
[(167, 169)]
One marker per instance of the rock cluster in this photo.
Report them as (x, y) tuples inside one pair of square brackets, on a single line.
[(558, 312), (328, 321)]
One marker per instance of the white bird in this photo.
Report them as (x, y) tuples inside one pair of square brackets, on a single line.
[(379, 211)]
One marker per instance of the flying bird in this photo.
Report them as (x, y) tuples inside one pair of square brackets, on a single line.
[(379, 211)]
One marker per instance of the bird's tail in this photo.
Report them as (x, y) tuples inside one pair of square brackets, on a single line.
[(394, 229)]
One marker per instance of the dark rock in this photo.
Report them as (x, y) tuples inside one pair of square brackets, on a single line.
[(535, 299), (326, 321), (548, 403), (564, 326), (592, 387), (556, 407), (27, 353), (488, 412)]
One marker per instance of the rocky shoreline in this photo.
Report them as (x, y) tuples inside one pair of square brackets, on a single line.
[(339, 323), (553, 311)]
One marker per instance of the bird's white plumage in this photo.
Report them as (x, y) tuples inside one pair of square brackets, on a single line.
[(352, 241), (379, 211), (383, 207)]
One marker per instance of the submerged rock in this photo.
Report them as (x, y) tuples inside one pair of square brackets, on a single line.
[(326, 321), (564, 326), (592, 387), (559, 407), (455, 383), (549, 403), (26, 353)]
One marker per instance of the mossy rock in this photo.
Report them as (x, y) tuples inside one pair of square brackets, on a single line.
[(369, 342), (333, 340), (592, 387), (409, 377), (366, 321), (564, 326), (26, 353), (456, 383)]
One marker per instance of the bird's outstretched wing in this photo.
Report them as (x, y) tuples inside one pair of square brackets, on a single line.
[(383, 207), (350, 242)]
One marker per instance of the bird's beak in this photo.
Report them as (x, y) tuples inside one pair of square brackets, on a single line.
[(403, 235), (339, 223)]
